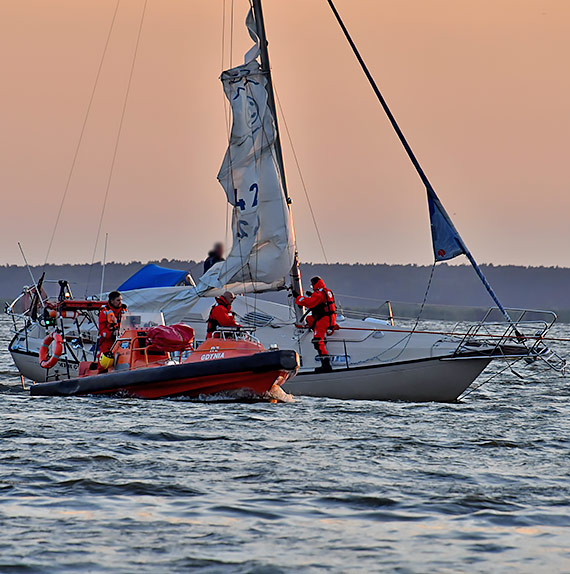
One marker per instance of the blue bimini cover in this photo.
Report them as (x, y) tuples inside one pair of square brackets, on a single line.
[(154, 276)]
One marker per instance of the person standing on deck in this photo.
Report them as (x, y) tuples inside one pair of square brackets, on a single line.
[(322, 319), (214, 256), (221, 314), (110, 317)]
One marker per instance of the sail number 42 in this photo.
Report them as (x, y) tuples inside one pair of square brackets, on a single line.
[(254, 188)]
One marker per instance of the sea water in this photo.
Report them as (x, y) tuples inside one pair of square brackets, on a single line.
[(314, 485)]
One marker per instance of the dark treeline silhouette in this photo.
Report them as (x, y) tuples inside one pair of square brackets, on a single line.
[(357, 286), (83, 278), (538, 287)]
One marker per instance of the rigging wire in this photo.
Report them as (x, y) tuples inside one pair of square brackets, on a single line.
[(429, 188), (301, 175), (468, 391), (232, 35), (223, 33), (227, 119), (228, 127), (104, 264), (81, 133), (123, 111), (226, 113), (428, 289), (406, 340), (246, 268), (246, 263)]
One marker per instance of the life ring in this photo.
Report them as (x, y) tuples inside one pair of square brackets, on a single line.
[(46, 361)]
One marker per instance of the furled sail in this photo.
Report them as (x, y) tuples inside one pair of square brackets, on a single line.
[(263, 245)]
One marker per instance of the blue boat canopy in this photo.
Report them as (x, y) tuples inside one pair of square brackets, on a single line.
[(152, 275)]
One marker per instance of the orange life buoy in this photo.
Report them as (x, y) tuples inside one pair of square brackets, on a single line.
[(46, 361)]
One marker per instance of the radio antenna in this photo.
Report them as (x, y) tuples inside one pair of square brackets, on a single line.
[(30, 271), (104, 264)]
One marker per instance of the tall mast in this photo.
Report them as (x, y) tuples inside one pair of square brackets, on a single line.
[(266, 69)]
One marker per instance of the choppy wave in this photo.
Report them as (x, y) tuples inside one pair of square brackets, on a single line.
[(120, 485)]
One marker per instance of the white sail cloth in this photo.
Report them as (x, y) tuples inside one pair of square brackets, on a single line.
[(263, 249), (184, 303)]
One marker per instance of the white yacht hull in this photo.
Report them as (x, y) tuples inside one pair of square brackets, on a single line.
[(28, 364), (439, 380), (385, 362)]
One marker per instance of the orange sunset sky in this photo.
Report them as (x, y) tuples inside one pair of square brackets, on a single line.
[(480, 87)]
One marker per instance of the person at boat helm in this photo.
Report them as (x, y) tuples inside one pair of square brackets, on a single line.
[(110, 317), (214, 256), (221, 314), (322, 319)]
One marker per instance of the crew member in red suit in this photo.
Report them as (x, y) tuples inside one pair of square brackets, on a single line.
[(110, 317), (221, 314), (322, 319)]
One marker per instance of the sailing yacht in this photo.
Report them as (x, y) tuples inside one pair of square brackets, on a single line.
[(372, 358)]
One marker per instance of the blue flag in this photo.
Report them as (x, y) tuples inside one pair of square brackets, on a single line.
[(446, 241)]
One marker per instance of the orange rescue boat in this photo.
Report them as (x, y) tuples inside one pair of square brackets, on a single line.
[(145, 365)]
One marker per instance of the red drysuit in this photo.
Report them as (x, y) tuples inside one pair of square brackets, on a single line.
[(323, 314)]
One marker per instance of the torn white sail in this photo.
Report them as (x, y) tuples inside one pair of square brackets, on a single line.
[(263, 249), (263, 245)]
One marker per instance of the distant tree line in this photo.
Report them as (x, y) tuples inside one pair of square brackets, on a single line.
[(358, 286)]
